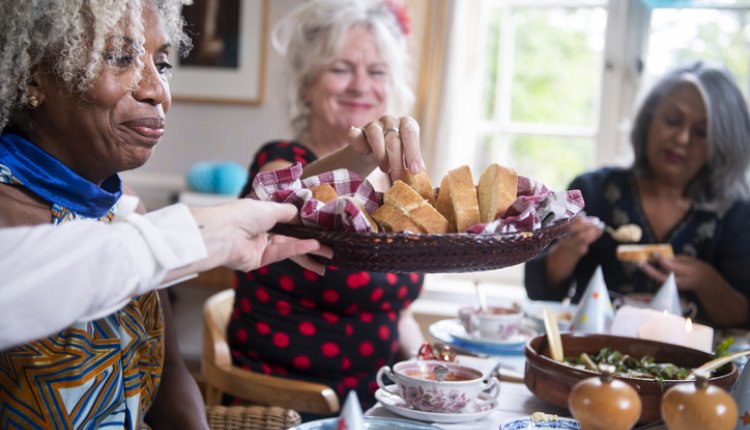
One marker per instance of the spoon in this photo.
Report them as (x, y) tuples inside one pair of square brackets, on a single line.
[(625, 233), (481, 297), (553, 334), (714, 364)]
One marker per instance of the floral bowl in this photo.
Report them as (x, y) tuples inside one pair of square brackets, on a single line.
[(438, 386)]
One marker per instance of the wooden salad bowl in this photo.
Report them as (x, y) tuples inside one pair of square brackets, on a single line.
[(552, 380)]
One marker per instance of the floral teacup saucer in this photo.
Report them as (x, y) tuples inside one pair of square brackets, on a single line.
[(397, 405)]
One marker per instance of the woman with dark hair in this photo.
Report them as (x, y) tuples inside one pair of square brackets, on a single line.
[(687, 187)]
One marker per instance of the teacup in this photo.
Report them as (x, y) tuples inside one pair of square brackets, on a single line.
[(496, 322), (438, 386)]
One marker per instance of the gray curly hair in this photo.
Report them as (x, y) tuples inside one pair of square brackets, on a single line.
[(723, 180), (313, 33), (68, 36)]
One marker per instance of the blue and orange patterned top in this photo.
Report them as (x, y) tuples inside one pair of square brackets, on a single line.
[(102, 373)]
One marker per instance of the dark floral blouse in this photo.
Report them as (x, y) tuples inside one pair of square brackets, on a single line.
[(721, 240), (337, 329)]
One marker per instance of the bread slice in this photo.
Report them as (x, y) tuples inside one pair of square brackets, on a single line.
[(324, 193), (393, 220), (421, 184), (497, 190), (643, 252), (403, 197), (444, 204), (463, 198)]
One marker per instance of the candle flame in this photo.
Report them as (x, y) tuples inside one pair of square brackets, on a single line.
[(688, 325)]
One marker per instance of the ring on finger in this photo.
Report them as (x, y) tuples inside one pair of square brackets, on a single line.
[(391, 130)]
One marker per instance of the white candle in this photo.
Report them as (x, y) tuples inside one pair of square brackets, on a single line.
[(699, 336), (664, 327)]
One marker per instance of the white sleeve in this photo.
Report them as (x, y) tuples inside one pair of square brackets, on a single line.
[(52, 276)]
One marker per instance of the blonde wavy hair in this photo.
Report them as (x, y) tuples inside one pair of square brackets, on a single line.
[(314, 33), (68, 36)]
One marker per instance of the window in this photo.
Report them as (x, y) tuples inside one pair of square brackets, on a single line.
[(548, 86), (541, 85), (718, 34)]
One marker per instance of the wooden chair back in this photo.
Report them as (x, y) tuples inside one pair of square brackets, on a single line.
[(222, 376)]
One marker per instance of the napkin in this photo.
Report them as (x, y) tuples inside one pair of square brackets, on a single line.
[(342, 214), (351, 417), (595, 313), (667, 298), (535, 207)]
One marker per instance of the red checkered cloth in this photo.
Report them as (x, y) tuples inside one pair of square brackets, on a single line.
[(342, 214), (535, 207)]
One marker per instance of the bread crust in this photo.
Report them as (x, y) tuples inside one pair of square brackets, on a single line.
[(421, 184), (444, 204), (463, 198), (393, 220), (403, 197), (637, 253), (324, 193), (497, 190)]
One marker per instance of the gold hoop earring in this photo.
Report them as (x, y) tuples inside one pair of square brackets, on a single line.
[(32, 102)]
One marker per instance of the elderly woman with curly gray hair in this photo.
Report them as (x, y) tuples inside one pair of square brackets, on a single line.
[(83, 95), (687, 187)]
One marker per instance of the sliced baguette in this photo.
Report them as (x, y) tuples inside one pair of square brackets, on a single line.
[(444, 204), (403, 197), (463, 198), (421, 184), (497, 190), (393, 220), (643, 252)]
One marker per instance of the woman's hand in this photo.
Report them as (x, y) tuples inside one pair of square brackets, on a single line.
[(723, 305), (582, 232), (236, 236), (690, 273), (568, 251), (390, 142)]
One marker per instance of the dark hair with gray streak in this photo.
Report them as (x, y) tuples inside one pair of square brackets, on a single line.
[(723, 180)]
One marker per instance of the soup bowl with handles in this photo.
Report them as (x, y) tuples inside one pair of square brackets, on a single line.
[(439, 386)]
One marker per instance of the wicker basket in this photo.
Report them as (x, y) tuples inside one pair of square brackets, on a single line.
[(251, 418), (428, 253)]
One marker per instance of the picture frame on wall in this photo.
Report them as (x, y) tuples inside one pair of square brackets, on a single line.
[(226, 64)]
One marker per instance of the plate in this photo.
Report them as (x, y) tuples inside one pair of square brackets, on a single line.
[(397, 405), (564, 313), (371, 423), (524, 423), (518, 340), (452, 332), (427, 253)]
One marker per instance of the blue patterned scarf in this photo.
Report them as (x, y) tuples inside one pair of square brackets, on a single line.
[(22, 161)]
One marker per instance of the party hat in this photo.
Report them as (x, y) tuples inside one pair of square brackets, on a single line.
[(351, 417), (667, 299), (741, 395), (595, 311)]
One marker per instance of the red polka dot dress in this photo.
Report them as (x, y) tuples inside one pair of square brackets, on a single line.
[(338, 329)]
